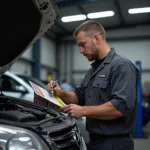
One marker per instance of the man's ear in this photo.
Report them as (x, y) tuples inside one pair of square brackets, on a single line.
[(96, 38)]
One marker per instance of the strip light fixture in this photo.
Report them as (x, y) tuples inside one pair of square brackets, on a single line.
[(73, 18), (100, 14), (139, 10)]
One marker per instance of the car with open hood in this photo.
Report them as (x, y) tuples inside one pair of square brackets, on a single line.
[(23, 124)]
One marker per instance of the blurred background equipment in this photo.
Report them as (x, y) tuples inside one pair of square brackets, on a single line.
[(66, 86)]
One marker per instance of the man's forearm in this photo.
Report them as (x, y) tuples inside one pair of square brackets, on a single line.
[(69, 97), (105, 112)]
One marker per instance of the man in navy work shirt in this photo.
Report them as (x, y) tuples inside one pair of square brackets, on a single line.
[(107, 96)]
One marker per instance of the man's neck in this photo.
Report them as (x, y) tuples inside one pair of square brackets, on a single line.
[(105, 49)]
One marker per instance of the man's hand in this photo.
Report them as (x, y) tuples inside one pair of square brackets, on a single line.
[(56, 88), (73, 110), (67, 97)]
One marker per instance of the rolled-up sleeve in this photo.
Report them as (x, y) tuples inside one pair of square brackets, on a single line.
[(79, 91), (124, 87)]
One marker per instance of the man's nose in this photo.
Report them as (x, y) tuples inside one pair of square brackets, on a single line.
[(81, 50)]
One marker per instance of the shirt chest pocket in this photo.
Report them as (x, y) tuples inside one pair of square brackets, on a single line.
[(100, 90), (100, 83)]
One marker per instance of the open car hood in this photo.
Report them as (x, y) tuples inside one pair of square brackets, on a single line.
[(26, 22)]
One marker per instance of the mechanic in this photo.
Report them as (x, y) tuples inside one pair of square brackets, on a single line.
[(107, 96)]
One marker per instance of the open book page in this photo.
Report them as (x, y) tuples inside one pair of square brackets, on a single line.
[(43, 97)]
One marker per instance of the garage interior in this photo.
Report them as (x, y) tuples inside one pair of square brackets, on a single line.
[(56, 56)]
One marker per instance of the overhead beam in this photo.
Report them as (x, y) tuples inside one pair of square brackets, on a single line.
[(50, 36), (82, 10), (62, 28), (53, 34), (67, 3), (142, 37), (119, 11), (125, 26), (48, 68), (26, 60), (146, 37)]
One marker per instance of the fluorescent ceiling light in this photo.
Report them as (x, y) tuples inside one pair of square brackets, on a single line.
[(139, 10), (100, 14), (73, 18)]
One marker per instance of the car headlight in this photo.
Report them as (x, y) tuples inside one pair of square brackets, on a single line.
[(15, 138)]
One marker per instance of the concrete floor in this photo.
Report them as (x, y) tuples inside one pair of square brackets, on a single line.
[(143, 143)]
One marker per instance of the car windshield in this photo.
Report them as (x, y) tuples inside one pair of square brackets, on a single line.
[(27, 79)]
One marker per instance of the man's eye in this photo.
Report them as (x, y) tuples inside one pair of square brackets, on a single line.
[(83, 45)]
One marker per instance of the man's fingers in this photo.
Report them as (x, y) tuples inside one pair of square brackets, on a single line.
[(67, 110), (65, 107), (49, 85), (71, 114)]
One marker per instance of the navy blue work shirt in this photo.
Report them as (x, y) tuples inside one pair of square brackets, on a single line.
[(113, 80)]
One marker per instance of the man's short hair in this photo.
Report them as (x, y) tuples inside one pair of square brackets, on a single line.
[(90, 26)]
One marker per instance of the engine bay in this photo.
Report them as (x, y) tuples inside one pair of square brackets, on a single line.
[(27, 113), (44, 121), (22, 112)]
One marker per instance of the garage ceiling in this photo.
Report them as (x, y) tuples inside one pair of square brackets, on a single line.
[(121, 19)]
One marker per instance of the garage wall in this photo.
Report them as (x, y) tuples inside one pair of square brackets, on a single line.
[(80, 65), (134, 50), (62, 63), (48, 59), (48, 52), (65, 56), (23, 66)]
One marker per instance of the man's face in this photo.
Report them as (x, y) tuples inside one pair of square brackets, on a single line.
[(87, 46)]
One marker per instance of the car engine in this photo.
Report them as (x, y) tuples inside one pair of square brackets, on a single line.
[(54, 128)]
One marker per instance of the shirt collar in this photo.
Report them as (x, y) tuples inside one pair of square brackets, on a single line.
[(96, 63), (106, 59), (110, 55)]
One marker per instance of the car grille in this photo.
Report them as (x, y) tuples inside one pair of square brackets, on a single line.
[(67, 139)]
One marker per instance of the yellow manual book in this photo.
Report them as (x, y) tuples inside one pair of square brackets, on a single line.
[(59, 101)]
